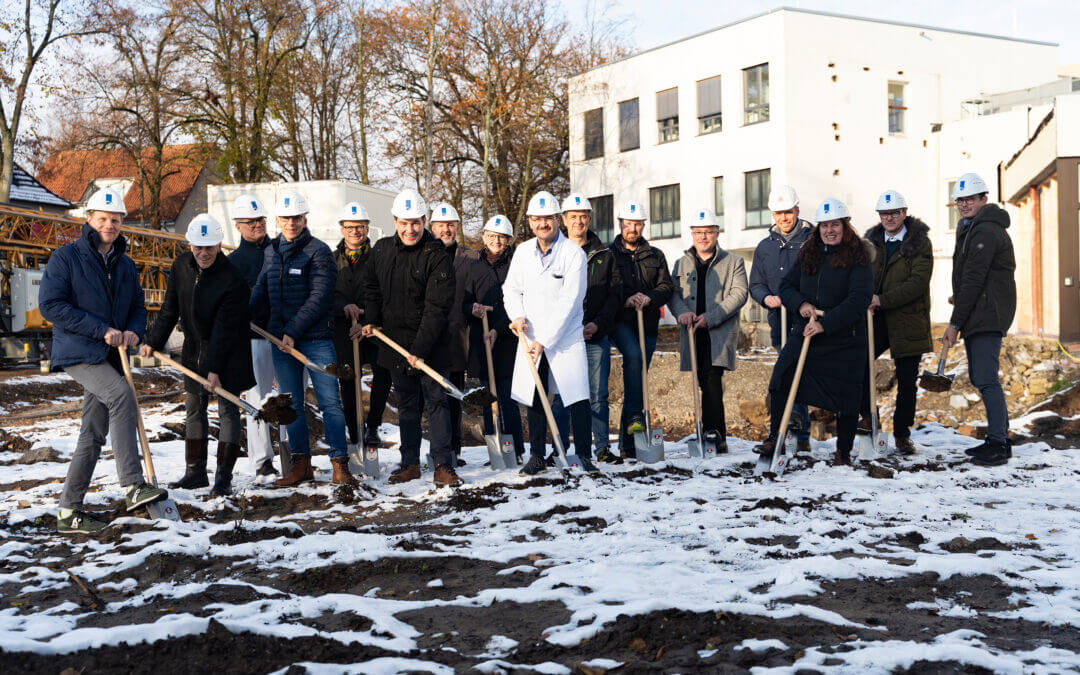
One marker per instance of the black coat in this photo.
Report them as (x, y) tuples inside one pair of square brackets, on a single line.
[(773, 258), (248, 259), (349, 290), (212, 308), (482, 282), (836, 364), (604, 290), (983, 274), (408, 292), (643, 270), (459, 330)]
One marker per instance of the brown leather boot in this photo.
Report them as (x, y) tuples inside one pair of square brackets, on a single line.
[(301, 472), (195, 461), (446, 476), (905, 446), (842, 458), (404, 474), (341, 472)]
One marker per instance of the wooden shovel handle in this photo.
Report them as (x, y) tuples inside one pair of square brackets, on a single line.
[(291, 351), (693, 375), (359, 388), (236, 400), (942, 358), (148, 462), (644, 364), (434, 374), (555, 439), (790, 403), (491, 371)]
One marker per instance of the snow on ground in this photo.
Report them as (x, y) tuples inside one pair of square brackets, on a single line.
[(827, 569)]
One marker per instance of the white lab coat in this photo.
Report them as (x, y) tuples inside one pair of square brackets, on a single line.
[(549, 291)]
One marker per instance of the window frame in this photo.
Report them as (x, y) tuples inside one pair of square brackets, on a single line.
[(902, 109), (718, 200), (598, 210), (598, 142), (952, 213), (623, 131), (757, 107), (763, 217), (660, 228), (717, 117), (667, 128)]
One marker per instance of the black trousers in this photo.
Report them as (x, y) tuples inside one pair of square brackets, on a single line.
[(457, 378), (408, 387), (380, 390), (580, 420), (907, 375), (846, 425), (711, 380)]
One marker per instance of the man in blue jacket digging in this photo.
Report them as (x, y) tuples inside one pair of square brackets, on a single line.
[(90, 292)]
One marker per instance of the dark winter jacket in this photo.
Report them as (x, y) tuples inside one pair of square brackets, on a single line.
[(349, 290), (482, 282), (835, 371), (459, 329), (643, 270), (773, 258), (604, 290), (83, 295), (902, 283), (248, 259), (294, 294), (408, 292), (984, 287), (212, 308)]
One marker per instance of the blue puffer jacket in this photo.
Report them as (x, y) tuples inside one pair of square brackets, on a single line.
[(83, 296), (773, 257), (294, 294)]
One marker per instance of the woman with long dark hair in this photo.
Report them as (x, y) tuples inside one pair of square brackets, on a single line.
[(832, 276)]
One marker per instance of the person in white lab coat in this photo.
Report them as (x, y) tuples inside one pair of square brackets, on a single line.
[(544, 295)]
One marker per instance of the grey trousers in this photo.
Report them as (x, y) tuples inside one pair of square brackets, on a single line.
[(983, 353), (108, 408), (196, 425)]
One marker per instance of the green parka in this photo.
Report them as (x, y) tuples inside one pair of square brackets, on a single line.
[(984, 287), (902, 283)]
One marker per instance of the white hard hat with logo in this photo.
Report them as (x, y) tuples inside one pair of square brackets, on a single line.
[(704, 218), (290, 203), (831, 209), (444, 212), (408, 204), (353, 211), (783, 198), (969, 185), (543, 203), (247, 207), (107, 199), (631, 210), (890, 200), (576, 201), (499, 224), (204, 230)]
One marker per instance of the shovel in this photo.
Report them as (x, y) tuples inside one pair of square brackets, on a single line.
[(554, 428), (699, 447), (648, 446), (361, 457), (163, 509), (875, 445), (330, 369), (937, 382), (791, 443), (431, 372), (500, 447)]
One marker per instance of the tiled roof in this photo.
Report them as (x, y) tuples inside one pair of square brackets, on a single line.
[(70, 173), (24, 188)]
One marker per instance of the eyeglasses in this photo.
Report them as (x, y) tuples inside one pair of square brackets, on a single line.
[(355, 229), (895, 213), (966, 200), (704, 232)]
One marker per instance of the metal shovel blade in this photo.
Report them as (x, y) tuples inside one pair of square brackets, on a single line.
[(693, 448), (573, 462), (509, 453), (164, 509), (864, 447), (701, 449), (371, 462), (649, 448), (356, 458), (494, 448)]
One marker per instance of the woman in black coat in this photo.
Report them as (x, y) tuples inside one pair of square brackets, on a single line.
[(832, 275)]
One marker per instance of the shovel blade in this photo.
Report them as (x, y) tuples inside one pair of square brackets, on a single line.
[(694, 448), (371, 462), (356, 458), (701, 449), (573, 462), (494, 448), (164, 509), (509, 453), (864, 447), (649, 448)]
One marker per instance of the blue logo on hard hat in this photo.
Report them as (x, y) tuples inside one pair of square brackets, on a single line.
[(444, 210), (961, 185), (826, 209), (633, 207), (577, 200), (254, 206), (888, 198), (702, 216), (287, 200), (108, 198), (204, 229), (542, 200), (408, 204)]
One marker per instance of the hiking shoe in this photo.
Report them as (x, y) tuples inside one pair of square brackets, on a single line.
[(766, 447), (301, 472), (79, 522), (445, 476), (637, 426), (342, 475), (141, 494), (588, 466), (404, 474), (976, 449), (905, 447), (606, 455), (535, 465), (994, 454)]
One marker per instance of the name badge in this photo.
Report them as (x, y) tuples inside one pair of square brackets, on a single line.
[(296, 271)]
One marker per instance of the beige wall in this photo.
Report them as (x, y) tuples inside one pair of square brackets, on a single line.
[(1023, 235)]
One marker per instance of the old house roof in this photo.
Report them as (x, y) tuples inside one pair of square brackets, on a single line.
[(27, 190)]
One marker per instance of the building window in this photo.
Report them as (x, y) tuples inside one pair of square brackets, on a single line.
[(603, 222), (594, 133), (664, 205), (629, 136), (953, 216), (718, 199), (756, 92), (897, 108), (758, 184), (667, 115), (708, 105)]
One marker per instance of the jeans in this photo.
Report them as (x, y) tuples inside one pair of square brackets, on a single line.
[(509, 414), (108, 406), (983, 352), (260, 448), (196, 425), (578, 413), (290, 377), (599, 356), (408, 387), (626, 341)]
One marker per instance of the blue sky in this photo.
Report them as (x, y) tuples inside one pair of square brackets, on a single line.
[(649, 23)]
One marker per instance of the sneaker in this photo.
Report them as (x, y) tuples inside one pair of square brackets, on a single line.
[(904, 446), (994, 454), (141, 494), (535, 465), (588, 466), (637, 426), (79, 522)]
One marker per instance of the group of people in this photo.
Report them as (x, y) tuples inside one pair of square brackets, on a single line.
[(559, 300)]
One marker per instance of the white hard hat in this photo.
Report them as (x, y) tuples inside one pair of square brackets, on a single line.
[(890, 200), (247, 207), (543, 203), (204, 230), (575, 201), (107, 199), (831, 209), (444, 212), (704, 218), (499, 224), (783, 198), (631, 210), (408, 204), (353, 211), (969, 185), (291, 203)]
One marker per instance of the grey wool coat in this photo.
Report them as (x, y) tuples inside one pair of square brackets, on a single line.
[(726, 291)]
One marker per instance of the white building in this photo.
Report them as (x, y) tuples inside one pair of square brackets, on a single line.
[(833, 105)]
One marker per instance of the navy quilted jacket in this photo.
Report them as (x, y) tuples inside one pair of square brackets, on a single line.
[(294, 294)]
